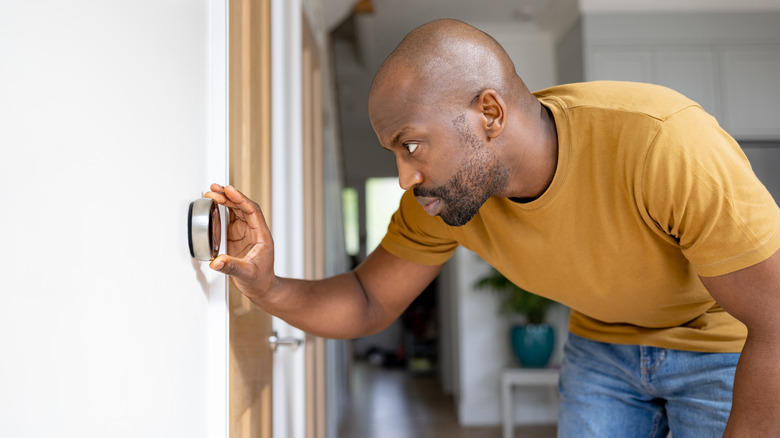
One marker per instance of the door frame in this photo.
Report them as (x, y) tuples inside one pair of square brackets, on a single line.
[(314, 213), (289, 416), (250, 366), (290, 186), (217, 171)]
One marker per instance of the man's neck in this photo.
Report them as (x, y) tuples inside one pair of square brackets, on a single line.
[(538, 161)]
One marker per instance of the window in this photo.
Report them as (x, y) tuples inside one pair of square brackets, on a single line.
[(350, 204), (382, 198)]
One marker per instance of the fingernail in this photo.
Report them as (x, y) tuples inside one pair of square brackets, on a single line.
[(217, 265)]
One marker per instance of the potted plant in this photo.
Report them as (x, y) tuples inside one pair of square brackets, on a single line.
[(533, 341)]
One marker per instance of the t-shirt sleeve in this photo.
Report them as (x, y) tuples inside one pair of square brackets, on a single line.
[(415, 236), (699, 189)]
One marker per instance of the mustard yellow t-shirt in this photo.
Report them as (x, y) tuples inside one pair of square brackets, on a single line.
[(649, 193)]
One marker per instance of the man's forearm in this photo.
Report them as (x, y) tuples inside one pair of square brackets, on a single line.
[(752, 295), (755, 409), (335, 307)]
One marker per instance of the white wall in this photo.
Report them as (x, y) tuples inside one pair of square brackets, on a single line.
[(476, 346), (569, 55), (532, 50), (104, 133)]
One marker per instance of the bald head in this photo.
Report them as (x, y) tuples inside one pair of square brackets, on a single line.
[(450, 62), (462, 125)]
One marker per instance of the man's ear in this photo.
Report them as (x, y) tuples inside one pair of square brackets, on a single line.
[(493, 111)]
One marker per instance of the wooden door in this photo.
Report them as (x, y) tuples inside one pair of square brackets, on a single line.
[(251, 362)]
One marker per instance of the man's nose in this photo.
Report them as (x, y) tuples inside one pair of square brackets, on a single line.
[(408, 176)]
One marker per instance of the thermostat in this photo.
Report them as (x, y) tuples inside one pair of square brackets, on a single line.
[(204, 229)]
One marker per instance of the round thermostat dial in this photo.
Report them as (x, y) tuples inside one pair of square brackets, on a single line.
[(205, 229)]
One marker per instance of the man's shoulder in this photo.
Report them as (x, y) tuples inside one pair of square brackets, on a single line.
[(653, 100)]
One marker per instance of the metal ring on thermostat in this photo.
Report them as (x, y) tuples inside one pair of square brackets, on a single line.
[(205, 229)]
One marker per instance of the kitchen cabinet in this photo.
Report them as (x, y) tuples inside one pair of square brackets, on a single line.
[(728, 63), (751, 90), (689, 70)]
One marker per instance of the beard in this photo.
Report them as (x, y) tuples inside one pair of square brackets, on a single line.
[(479, 177)]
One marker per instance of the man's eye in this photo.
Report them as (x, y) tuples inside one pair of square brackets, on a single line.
[(411, 147)]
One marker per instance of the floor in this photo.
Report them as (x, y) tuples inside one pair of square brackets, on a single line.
[(390, 403)]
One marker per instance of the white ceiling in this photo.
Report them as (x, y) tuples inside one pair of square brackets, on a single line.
[(380, 31)]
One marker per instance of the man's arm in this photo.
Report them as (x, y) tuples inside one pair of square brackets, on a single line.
[(752, 295), (356, 303)]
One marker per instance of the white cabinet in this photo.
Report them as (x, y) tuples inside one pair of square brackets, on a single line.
[(620, 64), (728, 63), (692, 72), (751, 91), (689, 70)]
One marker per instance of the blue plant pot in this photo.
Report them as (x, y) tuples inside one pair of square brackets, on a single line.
[(533, 344)]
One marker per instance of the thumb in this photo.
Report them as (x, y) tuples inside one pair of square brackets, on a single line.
[(232, 266)]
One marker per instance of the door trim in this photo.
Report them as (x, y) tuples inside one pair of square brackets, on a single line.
[(217, 361), (250, 366), (289, 413), (314, 212)]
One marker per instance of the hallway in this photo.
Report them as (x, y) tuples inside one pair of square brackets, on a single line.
[(391, 403)]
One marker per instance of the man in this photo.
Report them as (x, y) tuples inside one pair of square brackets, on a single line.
[(625, 202)]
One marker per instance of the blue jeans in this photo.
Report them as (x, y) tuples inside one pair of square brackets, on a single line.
[(632, 391)]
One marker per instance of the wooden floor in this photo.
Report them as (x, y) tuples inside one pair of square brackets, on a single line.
[(393, 404)]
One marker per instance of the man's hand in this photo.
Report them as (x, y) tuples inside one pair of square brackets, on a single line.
[(250, 248), (352, 304)]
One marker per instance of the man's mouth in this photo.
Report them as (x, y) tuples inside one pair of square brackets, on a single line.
[(432, 206)]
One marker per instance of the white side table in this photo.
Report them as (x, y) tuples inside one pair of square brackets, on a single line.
[(527, 377)]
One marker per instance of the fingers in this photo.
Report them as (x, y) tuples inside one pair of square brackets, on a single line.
[(242, 202), (242, 208), (254, 216), (234, 267), (217, 193), (230, 197)]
